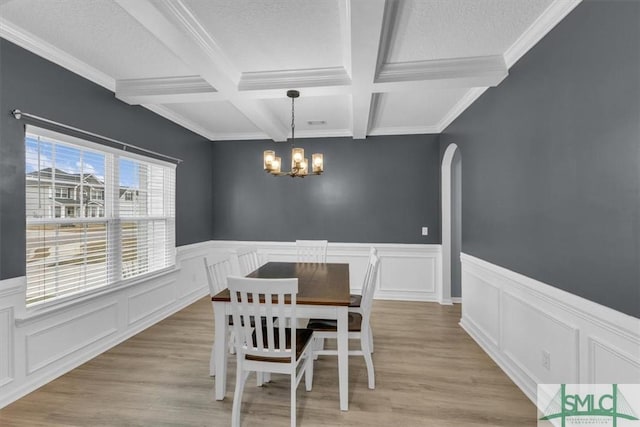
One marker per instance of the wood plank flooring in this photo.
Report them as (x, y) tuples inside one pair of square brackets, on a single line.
[(429, 372)]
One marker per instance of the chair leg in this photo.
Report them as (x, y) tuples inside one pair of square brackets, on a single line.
[(262, 378), (371, 339), (232, 341), (366, 352), (294, 387), (241, 378), (308, 372), (212, 364), (319, 345)]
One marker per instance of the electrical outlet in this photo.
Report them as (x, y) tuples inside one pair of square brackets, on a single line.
[(425, 231), (546, 360)]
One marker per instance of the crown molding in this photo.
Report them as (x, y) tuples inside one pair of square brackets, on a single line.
[(464, 103), (283, 79), (482, 67), (555, 13), (34, 44), (166, 90)]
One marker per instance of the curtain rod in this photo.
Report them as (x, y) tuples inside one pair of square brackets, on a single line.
[(18, 115)]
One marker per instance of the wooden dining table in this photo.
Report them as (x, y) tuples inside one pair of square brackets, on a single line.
[(323, 292)]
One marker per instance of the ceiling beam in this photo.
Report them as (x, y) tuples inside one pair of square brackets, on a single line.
[(173, 24), (470, 72), (315, 81), (365, 21), (165, 90)]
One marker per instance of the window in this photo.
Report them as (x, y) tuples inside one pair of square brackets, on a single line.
[(62, 193), (97, 194), (87, 236)]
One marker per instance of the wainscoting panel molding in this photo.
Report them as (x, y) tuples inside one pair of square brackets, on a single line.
[(540, 334), (48, 343), (36, 346), (155, 298), (407, 272), (6, 345)]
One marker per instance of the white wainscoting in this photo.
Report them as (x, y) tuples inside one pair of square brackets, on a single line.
[(516, 319), (38, 346), (407, 272)]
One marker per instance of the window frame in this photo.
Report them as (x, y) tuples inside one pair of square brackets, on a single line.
[(111, 218)]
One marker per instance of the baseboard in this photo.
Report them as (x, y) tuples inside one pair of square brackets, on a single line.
[(515, 319)]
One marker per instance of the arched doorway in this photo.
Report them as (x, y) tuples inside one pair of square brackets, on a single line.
[(451, 225)]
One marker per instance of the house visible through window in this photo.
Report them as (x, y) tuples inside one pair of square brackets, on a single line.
[(95, 215)]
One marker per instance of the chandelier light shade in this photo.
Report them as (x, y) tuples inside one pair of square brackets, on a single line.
[(299, 163)]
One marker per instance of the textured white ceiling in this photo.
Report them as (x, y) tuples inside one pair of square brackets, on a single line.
[(334, 110), (221, 116), (427, 106), (97, 32), (433, 29), (263, 35), (438, 57)]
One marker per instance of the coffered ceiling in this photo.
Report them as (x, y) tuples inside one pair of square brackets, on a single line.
[(221, 68)]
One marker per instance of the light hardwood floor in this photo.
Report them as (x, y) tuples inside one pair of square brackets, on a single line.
[(429, 372)]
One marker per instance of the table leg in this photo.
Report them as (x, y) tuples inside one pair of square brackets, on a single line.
[(343, 356), (220, 349)]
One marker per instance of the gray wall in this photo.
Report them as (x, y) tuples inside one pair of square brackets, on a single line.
[(378, 190), (37, 86), (551, 160)]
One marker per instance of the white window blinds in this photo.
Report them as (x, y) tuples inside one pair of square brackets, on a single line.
[(95, 215)]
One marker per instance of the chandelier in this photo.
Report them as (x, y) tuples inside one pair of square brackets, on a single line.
[(299, 163)]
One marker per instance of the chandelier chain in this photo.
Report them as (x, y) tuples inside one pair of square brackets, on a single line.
[(293, 121)]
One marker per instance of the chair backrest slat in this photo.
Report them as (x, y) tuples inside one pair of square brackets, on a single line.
[(311, 250), (217, 271), (367, 280), (263, 300), (369, 285), (248, 260)]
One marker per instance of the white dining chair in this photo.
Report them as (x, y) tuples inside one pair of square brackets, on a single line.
[(356, 299), (311, 250), (217, 271), (359, 323), (247, 259), (269, 348)]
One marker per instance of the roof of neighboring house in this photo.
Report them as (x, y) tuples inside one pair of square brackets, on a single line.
[(60, 175), (125, 190)]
